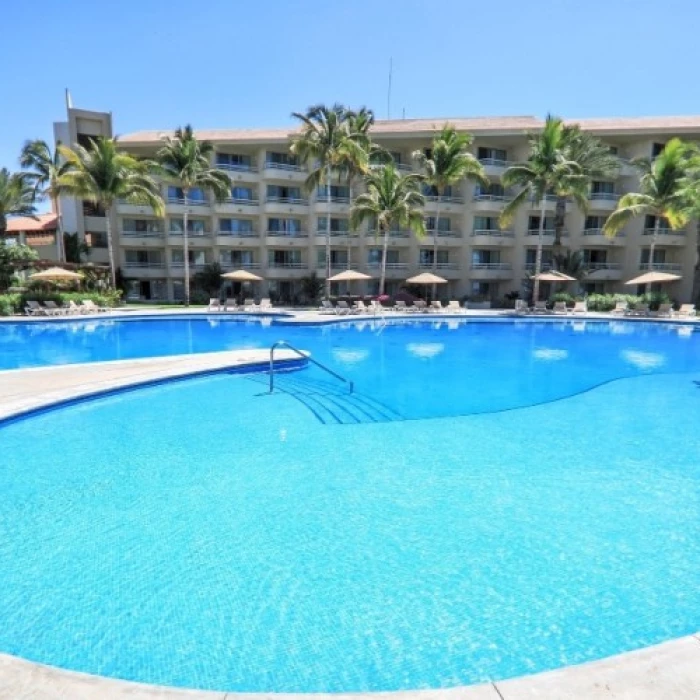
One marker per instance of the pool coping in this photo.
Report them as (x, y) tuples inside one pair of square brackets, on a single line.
[(670, 669)]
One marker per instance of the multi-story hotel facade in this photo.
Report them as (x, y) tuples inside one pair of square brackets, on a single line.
[(273, 227)]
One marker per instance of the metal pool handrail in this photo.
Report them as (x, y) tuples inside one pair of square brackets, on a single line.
[(284, 343)]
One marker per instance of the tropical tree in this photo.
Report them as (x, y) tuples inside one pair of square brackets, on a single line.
[(334, 141), (74, 249), (102, 174), (12, 259), (46, 168), (391, 200), (544, 172), (594, 160), (666, 192), (209, 279), (17, 196), (571, 263), (186, 161), (312, 287), (449, 163)]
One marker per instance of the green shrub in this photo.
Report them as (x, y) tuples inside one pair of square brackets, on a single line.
[(563, 296), (607, 302), (15, 303)]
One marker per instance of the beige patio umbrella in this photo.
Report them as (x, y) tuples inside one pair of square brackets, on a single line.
[(553, 276), (56, 274), (654, 278), (349, 276), (426, 278), (242, 276)]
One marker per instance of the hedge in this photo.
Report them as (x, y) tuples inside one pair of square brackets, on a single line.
[(14, 303)]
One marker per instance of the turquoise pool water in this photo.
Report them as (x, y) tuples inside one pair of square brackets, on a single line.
[(496, 499)]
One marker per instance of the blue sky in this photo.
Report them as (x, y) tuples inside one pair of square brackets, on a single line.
[(230, 63)]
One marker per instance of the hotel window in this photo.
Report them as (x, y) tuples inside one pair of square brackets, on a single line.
[(287, 226), (656, 149), (486, 223), (141, 225), (494, 189), (337, 192), (533, 223), (337, 225), (280, 192), (427, 256), (650, 223), (236, 225), (431, 191), (277, 158), (195, 257), (486, 257), (592, 256), (194, 195), (600, 187), (92, 209), (492, 154), (594, 222), (284, 257), (196, 226), (236, 257), (659, 256), (239, 193), (531, 257), (445, 223), (338, 257), (374, 256), (233, 160)]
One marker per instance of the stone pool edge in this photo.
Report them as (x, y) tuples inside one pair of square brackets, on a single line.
[(667, 670)]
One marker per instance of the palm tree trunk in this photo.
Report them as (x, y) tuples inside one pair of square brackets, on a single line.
[(538, 255), (435, 241), (652, 247), (186, 247), (59, 229), (385, 249), (328, 231), (110, 247), (559, 221)]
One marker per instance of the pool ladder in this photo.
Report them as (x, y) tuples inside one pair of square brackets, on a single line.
[(284, 343)]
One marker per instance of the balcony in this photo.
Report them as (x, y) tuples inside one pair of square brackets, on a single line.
[(490, 271), (547, 236), (596, 237), (490, 202), (550, 203), (236, 168), (146, 270), (230, 265), (143, 238), (288, 270), (278, 239), (337, 205), (626, 168), (131, 208), (448, 203), (490, 237), (603, 272), (338, 238), (236, 238), (286, 205), (334, 266), (494, 167), (449, 270), (394, 270), (452, 238), (674, 268), (545, 266), (236, 205), (667, 236), (194, 238), (178, 205), (603, 201), (177, 265), (283, 171)]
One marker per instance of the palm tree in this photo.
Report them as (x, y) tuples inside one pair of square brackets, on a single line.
[(334, 141), (666, 192), (102, 174), (571, 263), (449, 163), (391, 200), (595, 161), (46, 170), (544, 171), (185, 160), (17, 196)]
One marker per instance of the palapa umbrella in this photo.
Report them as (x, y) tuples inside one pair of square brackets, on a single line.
[(56, 274), (654, 278), (349, 276), (553, 276), (426, 278), (242, 276)]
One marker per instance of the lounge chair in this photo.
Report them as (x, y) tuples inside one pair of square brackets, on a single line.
[(664, 311), (454, 307), (419, 306), (436, 306), (580, 307), (230, 305), (326, 307), (560, 307), (249, 305), (264, 305), (90, 306), (621, 308), (540, 307), (73, 308), (639, 309), (214, 305), (53, 309), (686, 311), (521, 306), (361, 307), (375, 307), (34, 308), (400, 305), (343, 308)]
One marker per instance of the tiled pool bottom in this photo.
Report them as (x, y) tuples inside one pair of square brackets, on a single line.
[(269, 552)]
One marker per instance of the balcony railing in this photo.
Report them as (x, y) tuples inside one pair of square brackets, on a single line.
[(388, 266), (490, 266), (188, 202), (334, 265), (236, 265), (495, 162), (190, 234), (282, 166), (438, 266), (592, 267), (604, 196), (142, 234), (443, 234), (495, 233), (144, 265), (337, 234), (545, 232), (664, 232), (661, 267), (483, 197), (287, 234), (288, 265), (544, 266), (286, 200), (197, 267), (323, 199), (238, 234), (599, 232), (237, 167), (242, 201), (445, 198)]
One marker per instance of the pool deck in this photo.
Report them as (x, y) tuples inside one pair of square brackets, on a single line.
[(669, 670)]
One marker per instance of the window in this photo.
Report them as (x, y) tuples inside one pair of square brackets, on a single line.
[(279, 192), (194, 257), (659, 256), (494, 155), (196, 226), (480, 289), (495, 189), (236, 225), (592, 256), (233, 160), (486, 257), (656, 149), (486, 223), (600, 187), (92, 209), (238, 258), (239, 193), (432, 191), (427, 256), (613, 150), (285, 226), (337, 225), (396, 157), (650, 223), (531, 257), (445, 223), (276, 158), (374, 256), (337, 192), (533, 223), (141, 225), (86, 140), (594, 222), (284, 257), (96, 239), (338, 257)]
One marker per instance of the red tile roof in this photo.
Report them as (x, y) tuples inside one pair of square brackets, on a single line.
[(43, 222)]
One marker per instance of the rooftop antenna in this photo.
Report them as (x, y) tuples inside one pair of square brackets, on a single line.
[(388, 94), (69, 100)]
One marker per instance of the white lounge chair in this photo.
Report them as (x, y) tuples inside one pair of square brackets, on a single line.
[(436, 306), (621, 308), (664, 311), (454, 307), (639, 309), (400, 305), (264, 305), (361, 307), (74, 309), (53, 309), (521, 306), (560, 307), (342, 308), (580, 307), (214, 305), (419, 306), (34, 308), (375, 307), (249, 305), (686, 311), (230, 305), (540, 307), (92, 308), (326, 307)]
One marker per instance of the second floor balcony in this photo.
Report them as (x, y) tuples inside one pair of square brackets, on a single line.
[(596, 237), (674, 268), (667, 236)]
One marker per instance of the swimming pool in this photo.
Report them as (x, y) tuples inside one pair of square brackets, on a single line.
[(495, 499)]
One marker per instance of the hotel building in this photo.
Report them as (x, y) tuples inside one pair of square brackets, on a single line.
[(272, 226)]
